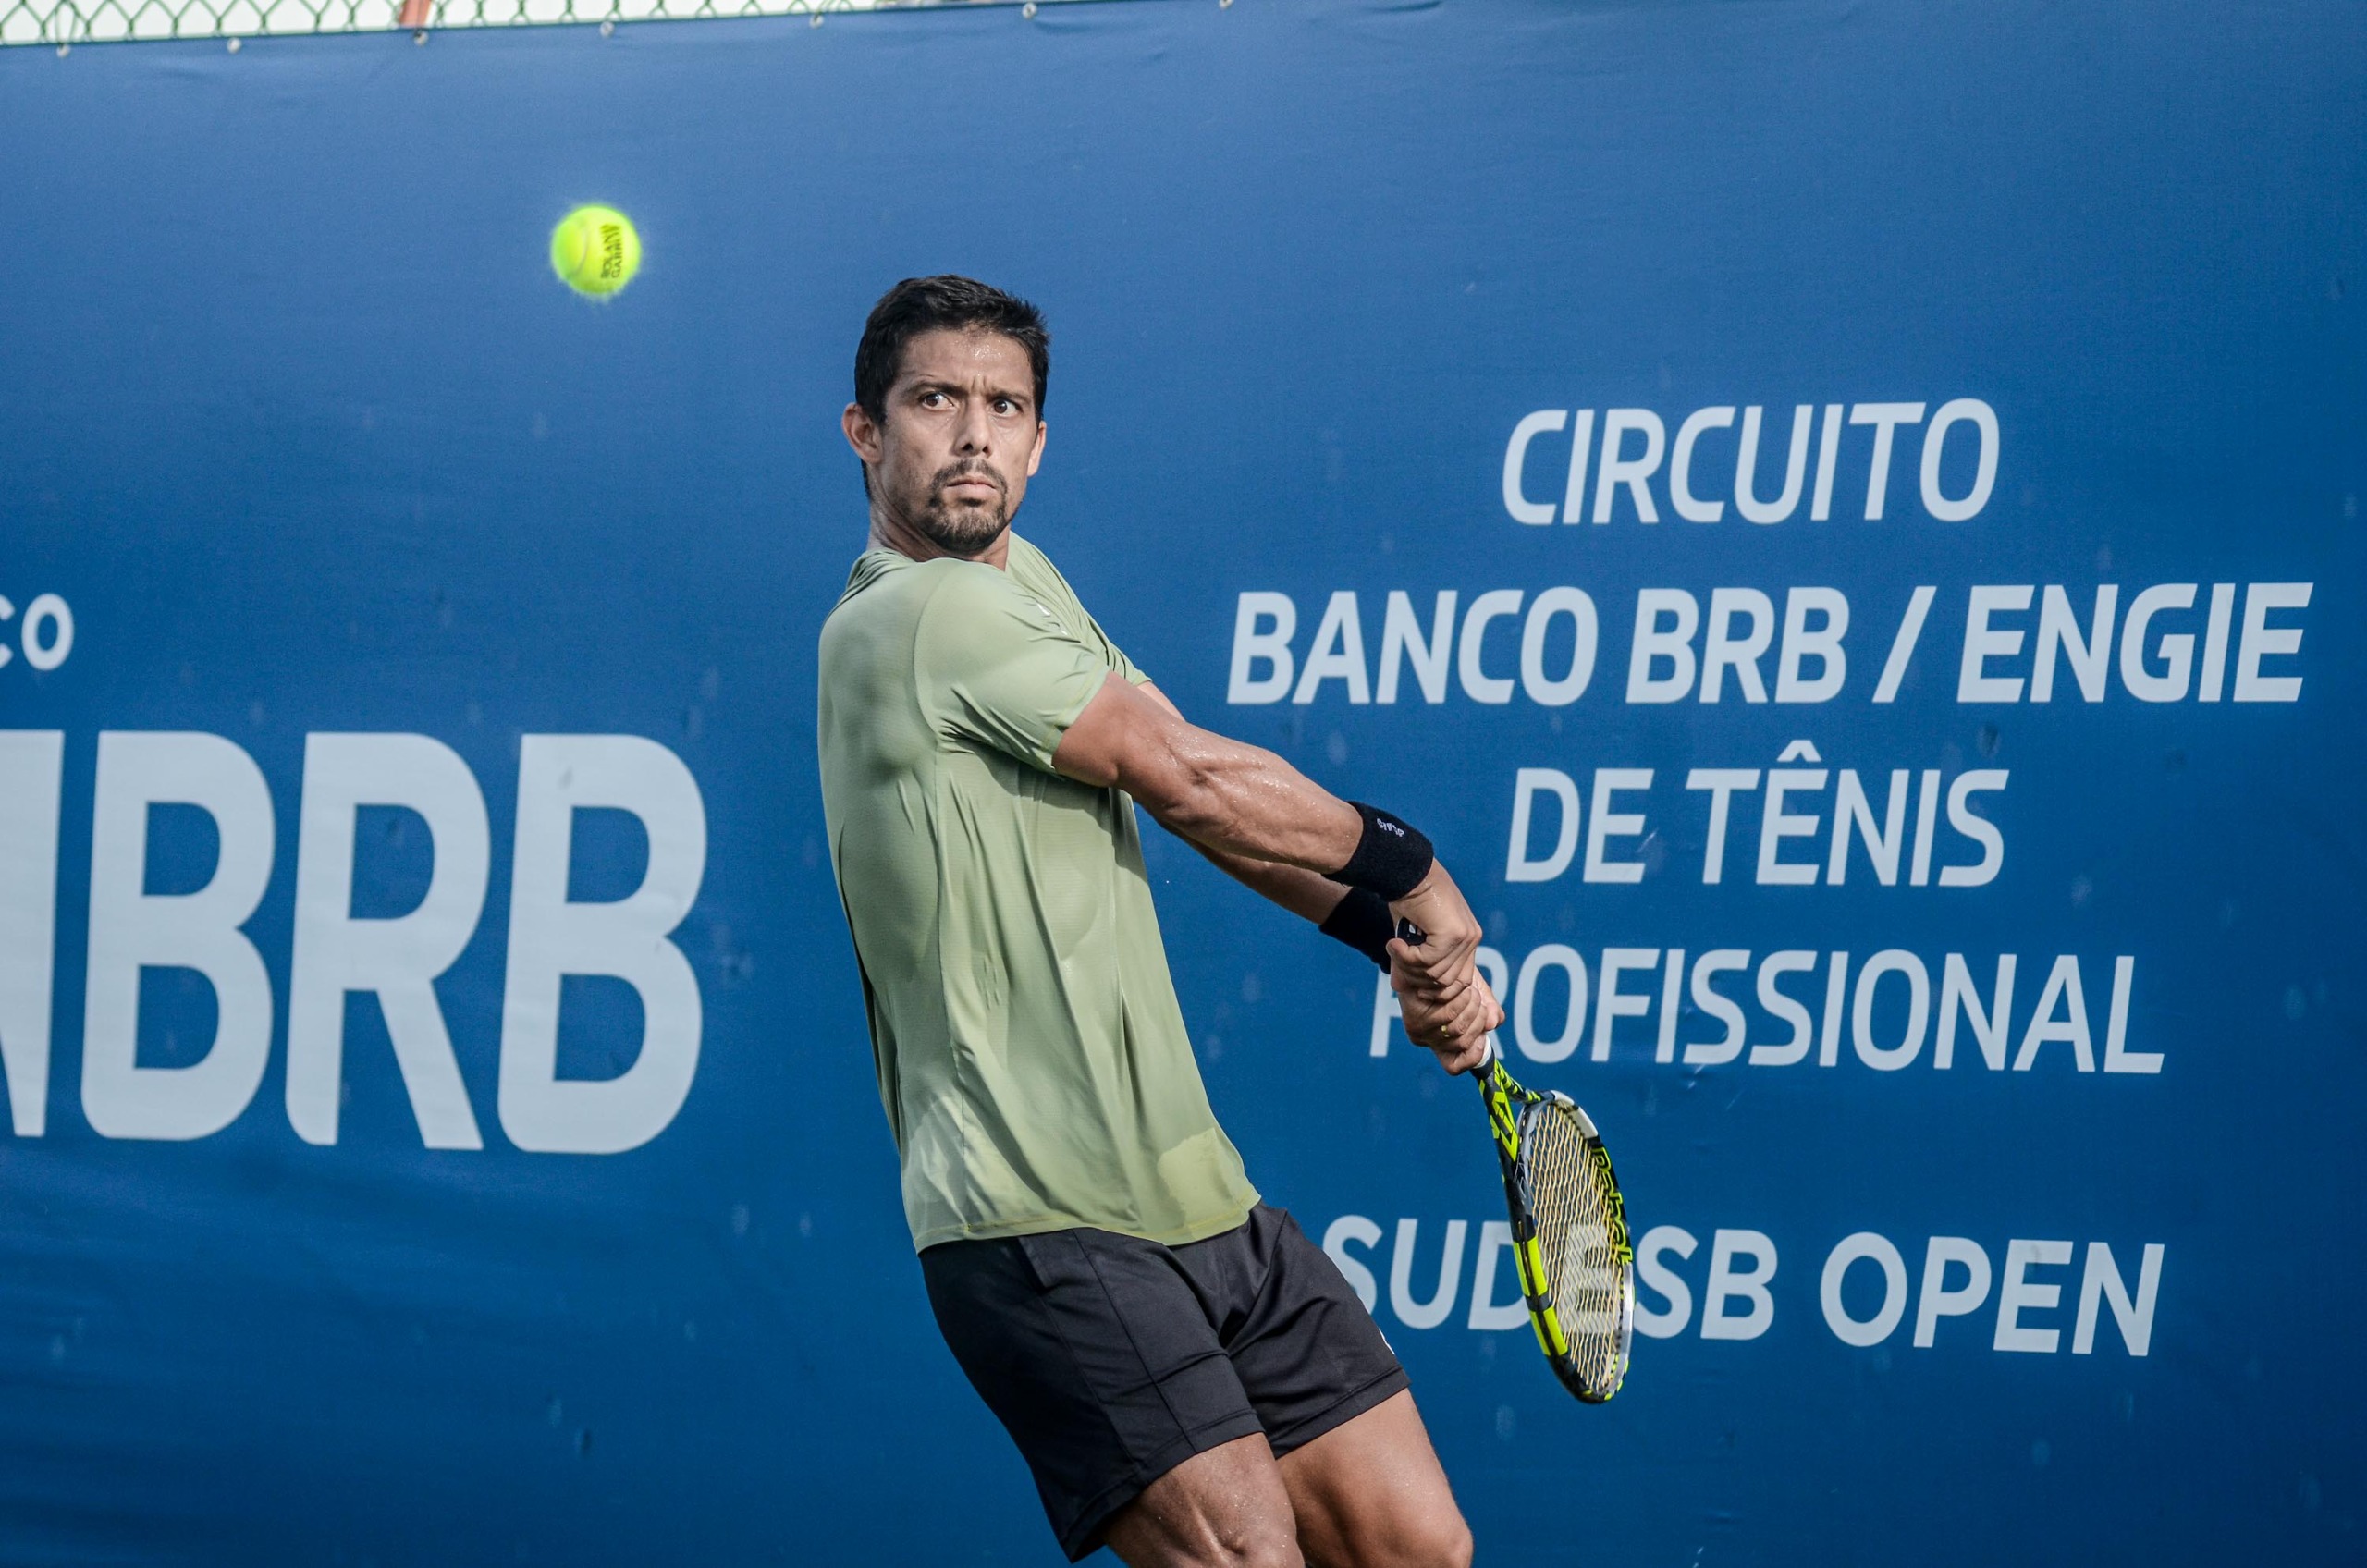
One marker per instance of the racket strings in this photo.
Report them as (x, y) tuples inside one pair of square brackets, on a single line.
[(1583, 1274)]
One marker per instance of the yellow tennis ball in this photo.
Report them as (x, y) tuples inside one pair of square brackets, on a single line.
[(596, 251)]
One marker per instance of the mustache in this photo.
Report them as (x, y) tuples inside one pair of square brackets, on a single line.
[(954, 472)]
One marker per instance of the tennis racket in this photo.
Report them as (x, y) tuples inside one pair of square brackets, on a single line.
[(1569, 1227)]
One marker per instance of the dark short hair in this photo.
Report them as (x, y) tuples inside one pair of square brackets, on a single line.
[(931, 304)]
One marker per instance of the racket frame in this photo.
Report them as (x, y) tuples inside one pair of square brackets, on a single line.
[(1506, 1100)]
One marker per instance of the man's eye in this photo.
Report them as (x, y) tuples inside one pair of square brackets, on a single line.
[(934, 399)]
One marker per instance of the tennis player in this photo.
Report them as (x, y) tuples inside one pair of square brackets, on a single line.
[(1188, 1377)]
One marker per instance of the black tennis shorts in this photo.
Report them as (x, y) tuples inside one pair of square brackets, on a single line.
[(1112, 1360)]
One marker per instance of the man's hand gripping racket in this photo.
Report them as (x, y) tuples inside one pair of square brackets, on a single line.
[(1569, 1225)]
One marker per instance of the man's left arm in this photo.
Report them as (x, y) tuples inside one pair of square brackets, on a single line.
[(1310, 895), (1249, 802)]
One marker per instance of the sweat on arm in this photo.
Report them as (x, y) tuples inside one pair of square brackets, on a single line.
[(1267, 824)]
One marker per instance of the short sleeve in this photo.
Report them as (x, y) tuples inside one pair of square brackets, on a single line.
[(1000, 669), (1116, 656), (1033, 572)]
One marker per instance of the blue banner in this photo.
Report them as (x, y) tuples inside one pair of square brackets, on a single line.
[(1843, 523)]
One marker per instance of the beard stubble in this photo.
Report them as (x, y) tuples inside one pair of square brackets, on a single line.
[(962, 528)]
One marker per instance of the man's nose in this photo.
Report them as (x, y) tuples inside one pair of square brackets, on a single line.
[(975, 432)]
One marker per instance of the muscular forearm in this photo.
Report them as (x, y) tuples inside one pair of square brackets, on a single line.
[(1270, 826), (1218, 793), (1244, 801)]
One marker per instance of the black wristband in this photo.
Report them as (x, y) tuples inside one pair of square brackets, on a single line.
[(1392, 857), (1362, 921)]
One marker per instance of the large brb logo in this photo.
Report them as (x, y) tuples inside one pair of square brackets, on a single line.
[(334, 952)]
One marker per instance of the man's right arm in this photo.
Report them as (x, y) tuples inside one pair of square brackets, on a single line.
[(1244, 801)]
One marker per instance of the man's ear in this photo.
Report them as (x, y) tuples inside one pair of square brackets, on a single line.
[(864, 436), (1036, 457)]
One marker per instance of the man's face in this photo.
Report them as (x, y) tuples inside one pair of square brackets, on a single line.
[(961, 438)]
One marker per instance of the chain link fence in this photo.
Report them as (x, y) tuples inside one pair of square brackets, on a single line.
[(64, 23)]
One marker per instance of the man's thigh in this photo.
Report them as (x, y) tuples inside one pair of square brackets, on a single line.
[(1095, 1353), (1370, 1493), (1366, 1494), (1224, 1507)]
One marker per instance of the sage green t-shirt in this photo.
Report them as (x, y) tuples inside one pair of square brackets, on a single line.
[(1031, 1055)]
